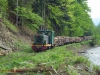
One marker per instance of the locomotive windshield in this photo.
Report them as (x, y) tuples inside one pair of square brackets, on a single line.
[(38, 39), (41, 39)]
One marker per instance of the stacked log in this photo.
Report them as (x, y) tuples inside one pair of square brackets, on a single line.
[(56, 41), (67, 40), (78, 39), (72, 39), (61, 40)]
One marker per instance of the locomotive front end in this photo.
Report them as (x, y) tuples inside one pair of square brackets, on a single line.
[(40, 41)]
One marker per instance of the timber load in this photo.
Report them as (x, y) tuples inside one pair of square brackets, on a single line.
[(61, 40)]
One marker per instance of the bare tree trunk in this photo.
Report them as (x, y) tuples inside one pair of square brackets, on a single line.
[(22, 17), (44, 13), (17, 14)]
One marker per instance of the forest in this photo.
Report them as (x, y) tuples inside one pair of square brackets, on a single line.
[(65, 17)]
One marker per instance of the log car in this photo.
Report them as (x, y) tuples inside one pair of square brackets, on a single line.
[(61, 40)]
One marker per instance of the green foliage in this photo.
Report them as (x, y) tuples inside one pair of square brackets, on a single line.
[(97, 68), (66, 17), (34, 21), (10, 26), (96, 39), (25, 14), (3, 7), (96, 36), (79, 60), (83, 19), (98, 29)]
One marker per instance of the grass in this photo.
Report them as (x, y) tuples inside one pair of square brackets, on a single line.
[(11, 26), (97, 68), (26, 58)]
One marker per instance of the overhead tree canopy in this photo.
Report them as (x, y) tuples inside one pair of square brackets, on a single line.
[(65, 17)]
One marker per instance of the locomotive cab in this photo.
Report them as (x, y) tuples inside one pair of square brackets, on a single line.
[(50, 35), (40, 39), (43, 40)]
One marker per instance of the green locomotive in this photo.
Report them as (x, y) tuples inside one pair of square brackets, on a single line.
[(43, 40)]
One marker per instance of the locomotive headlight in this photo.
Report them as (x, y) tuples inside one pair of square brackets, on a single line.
[(38, 47)]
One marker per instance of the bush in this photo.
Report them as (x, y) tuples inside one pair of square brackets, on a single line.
[(3, 7)]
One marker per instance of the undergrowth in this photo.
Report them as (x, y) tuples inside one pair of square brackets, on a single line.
[(10, 26)]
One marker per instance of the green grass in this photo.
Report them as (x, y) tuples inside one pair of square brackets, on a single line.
[(10, 26), (27, 58), (96, 67)]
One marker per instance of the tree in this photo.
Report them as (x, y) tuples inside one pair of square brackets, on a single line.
[(66, 17), (3, 8)]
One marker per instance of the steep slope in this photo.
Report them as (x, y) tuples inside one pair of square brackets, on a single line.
[(13, 41)]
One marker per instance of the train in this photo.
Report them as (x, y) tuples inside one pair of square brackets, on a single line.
[(45, 39)]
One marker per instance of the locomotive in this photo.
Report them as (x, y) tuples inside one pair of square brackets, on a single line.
[(45, 39)]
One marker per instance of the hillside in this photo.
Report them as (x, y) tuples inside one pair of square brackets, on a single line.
[(11, 41)]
